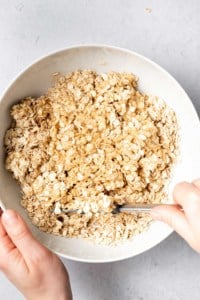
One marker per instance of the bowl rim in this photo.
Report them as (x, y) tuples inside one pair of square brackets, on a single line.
[(109, 47), (96, 45)]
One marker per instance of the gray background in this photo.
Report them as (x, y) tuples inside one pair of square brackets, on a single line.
[(169, 36)]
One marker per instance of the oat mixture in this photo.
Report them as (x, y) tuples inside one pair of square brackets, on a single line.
[(91, 142)]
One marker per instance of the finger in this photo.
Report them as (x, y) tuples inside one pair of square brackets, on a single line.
[(188, 196), (6, 247), (21, 237), (6, 244), (2, 230), (196, 182), (172, 216)]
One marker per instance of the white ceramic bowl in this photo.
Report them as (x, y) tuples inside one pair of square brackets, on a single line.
[(154, 80)]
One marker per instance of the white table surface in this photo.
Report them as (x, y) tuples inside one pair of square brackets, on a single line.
[(169, 36)]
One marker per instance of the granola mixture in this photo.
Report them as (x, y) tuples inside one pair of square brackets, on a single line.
[(91, 142)]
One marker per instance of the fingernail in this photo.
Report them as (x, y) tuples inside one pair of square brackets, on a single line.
[(10, 217), (155, 214)]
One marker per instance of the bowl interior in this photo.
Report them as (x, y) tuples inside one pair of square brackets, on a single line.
[(152, 80)]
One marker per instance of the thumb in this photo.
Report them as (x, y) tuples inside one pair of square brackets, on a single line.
[(21, 236), (172, 216)]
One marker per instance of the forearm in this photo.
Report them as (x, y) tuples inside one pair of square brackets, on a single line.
[(65, 294)]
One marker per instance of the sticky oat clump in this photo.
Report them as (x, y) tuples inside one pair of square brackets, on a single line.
[(91, 142)]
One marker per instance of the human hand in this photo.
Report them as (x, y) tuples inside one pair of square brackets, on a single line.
[(32, 268), (186, 222)]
